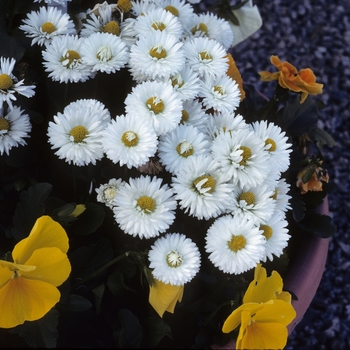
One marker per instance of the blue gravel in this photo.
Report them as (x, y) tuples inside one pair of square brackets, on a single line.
[(316, 34)]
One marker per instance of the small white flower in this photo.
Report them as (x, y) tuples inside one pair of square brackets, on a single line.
[(193, 114), (129, 140), (53, 2), (235, 244), (144, 207), (220, 93), (224, 122), (213, 27), (205, 56), (241, 156), (45, 24), (156, 102), (127, 32), (175, 259), (139, 7), (62, 59), (77, 132), (201, 189), (158, 20), (276, 235), (9, 84), (14, 127), (255, 203), (104, 52), (179, 8), (178, 146), (107, 192), (276, 144), (281, 197), (157, 55)]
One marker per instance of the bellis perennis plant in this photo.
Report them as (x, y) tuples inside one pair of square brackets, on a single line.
[(128, 135)]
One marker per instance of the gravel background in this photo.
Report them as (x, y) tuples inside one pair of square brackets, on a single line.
[(316, 34)]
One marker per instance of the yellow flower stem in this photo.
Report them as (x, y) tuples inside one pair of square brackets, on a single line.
[(104, 267)]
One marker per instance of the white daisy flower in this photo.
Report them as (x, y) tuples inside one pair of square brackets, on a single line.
[(193, 114), (103, 21), (281, 196), (77, 132), (220, 93), (241, 156), (62, 59), (127, 32), (205, 56), (54, 2), (201, 189), (129, 140), (140, 7), (156, 102), (107, 192), (178, 146), (158, 55), (276, 143), (254, 203), (9, 84), (186, 83), (213, 27), (224, 122), (158, 20), (45, 24), (235, 245), (104, 52), (14, 127), (179, 8), (276, 235), (144, 207), (175, 259)]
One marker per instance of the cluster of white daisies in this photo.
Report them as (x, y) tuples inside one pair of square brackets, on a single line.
[(181, 113)]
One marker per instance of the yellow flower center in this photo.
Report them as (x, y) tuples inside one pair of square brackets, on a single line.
[(177, 81), (185, 149), (237, 243), (104, 54), (79, 133), (185, 116), (173, 10), (201, 27), (272, 143), (157, 52), (208, 184), (248, 197), (146, 204), (5, 81), (155, 104), (130, 138), (174, 259), (158, 26), (205, 56), (111, 27), (267, 231), (246, 155), (48, 27), (72, 57), (4, 124), (275, 194), (220, 89), (124, 5)]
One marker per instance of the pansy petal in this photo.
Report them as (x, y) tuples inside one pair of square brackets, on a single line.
[(163, 297), (25, 300), (5, 275), (267, 76), (52, 266), (45, 233), (12, 266)]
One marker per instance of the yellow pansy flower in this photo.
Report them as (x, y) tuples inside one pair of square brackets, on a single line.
[(163, 297), (28, 285), (264, 315)]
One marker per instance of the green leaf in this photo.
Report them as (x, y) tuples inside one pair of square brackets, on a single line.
[(155, 330), (298, 118), (131, 332), (320, 225), (76, 303), (29, 208), (297, 204), (41, 333), (322, 138), (90, 220), (98, 293), (116, 284)]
